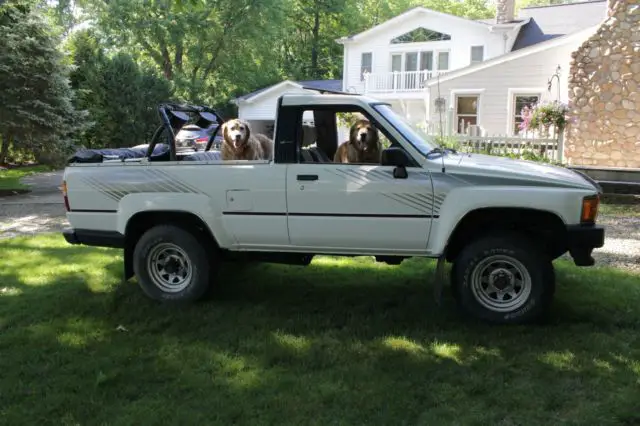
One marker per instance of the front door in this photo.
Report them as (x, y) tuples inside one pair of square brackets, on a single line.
[(357, 208)]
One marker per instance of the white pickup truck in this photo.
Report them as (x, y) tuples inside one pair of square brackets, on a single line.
[(179, 216)]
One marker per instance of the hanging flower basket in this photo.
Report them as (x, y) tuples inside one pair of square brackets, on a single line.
[(544, 116)]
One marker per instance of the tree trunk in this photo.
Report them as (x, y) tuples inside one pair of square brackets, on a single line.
[(315, 41), (4, 149)]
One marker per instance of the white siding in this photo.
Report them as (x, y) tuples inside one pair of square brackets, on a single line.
[(463, 36), (496, 83), (264, 107)]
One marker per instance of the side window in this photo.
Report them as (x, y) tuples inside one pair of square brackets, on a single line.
[(339, 135)]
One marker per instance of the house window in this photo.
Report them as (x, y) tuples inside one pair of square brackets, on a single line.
[(477, 54), (420, 35), (466, 112), (520, 102), (396, 66), (411, 66), (426, 61), (396, 62), (365, 64), (443, 61)]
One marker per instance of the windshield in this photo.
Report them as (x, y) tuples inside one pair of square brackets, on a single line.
[(418, 138)]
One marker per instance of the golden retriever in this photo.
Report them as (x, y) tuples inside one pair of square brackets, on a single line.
[(363, 145), (238, 143)]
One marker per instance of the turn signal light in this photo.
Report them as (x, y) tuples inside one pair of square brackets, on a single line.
[(590, 209), (64, 195)]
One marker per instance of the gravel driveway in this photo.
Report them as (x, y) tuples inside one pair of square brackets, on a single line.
[(43, 211)]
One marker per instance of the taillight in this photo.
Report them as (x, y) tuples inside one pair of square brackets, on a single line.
[(202, 140), (64, 195)]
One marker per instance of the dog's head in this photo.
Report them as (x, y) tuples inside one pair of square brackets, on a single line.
[(236, 132), (364, 135)]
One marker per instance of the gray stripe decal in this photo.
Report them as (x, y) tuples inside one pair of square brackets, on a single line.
[(417, 202), (393, 197)]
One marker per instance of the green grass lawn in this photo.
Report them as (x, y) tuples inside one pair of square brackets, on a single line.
[(339, 342), (10, 178), (628, 210)]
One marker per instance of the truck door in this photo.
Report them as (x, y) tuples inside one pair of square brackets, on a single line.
[(355, 207)]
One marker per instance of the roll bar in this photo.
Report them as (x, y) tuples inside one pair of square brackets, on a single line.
[(174, 116)]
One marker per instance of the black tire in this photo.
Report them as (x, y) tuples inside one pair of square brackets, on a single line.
[(155, 280), (515, 258)]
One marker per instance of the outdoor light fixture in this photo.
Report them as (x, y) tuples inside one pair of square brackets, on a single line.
[(557, 76)]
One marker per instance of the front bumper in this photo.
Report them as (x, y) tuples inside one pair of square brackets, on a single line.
[(582, 240)]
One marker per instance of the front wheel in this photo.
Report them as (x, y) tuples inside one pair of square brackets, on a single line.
[(503, 279), (172, 265)]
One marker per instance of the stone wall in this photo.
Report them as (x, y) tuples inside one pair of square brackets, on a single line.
[(604, 92)]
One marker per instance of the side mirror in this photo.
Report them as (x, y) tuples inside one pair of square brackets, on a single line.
[(395, 156), (399, 158)]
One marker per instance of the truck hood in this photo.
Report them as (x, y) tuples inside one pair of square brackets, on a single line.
[(493, 169)]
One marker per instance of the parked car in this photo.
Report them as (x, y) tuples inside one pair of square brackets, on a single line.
[(196, 138), (180, 217)]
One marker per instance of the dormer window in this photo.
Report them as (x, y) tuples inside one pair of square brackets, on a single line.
[(420, 35)]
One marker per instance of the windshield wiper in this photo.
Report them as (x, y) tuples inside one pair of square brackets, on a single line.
[(441, 150)]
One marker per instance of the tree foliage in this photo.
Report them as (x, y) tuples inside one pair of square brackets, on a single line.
[(37, 112), (120, 95), (197, 46), (133, 54)]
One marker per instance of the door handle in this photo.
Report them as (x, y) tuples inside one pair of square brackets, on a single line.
[(307, 177)]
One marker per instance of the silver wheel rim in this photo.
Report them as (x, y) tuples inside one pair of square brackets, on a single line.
[(501, 283), (169, 267)]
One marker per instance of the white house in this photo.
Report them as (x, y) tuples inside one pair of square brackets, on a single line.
[(439, 68)]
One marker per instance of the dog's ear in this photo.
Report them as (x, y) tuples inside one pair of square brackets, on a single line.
[(225, 131), (248, 129), (375, 139), (353, 133)]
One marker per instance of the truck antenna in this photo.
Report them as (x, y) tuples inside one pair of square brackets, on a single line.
[(440, 107)]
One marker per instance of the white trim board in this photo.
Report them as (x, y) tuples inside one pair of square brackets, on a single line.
[(269, 90), (406, 15)]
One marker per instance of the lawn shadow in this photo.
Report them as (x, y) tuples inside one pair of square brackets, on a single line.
[(333, 343)]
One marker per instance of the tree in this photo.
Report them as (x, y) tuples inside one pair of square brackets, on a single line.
[(120, 95), (205, 48), (37, 112)]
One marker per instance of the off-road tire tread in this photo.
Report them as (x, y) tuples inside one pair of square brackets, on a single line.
[(201, 261), (519, 246)]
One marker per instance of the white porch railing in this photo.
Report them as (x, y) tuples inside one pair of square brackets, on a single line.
[(527, 145), (398, 81), (513, 146)]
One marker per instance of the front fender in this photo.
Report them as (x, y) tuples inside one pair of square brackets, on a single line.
[(564, 203)]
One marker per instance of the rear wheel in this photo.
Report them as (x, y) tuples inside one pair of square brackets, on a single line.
[(503, 279), (172, 265)]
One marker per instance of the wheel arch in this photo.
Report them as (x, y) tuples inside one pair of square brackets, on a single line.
[(542, 226), (141, 222)]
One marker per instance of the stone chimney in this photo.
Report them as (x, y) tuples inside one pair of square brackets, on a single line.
[(505, 11)]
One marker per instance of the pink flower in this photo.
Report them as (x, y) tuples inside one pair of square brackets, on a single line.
[(526, 118)]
